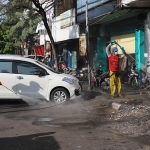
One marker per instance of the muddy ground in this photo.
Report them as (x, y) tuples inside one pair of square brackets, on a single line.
[(87, 123), (131, 119)]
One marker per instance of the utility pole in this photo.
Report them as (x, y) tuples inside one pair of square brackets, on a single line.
[(87, 45), (147, 41)]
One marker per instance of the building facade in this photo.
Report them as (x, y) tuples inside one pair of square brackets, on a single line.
[(65, 32), (125, 21)]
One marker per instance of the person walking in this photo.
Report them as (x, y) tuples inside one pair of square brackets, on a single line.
[(114, 60)]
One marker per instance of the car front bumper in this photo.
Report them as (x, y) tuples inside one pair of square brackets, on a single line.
[(75, 92)]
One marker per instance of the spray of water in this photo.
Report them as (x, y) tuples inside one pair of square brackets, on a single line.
[(31, 100)]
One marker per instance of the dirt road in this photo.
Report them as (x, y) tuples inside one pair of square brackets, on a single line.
[(82, 124)]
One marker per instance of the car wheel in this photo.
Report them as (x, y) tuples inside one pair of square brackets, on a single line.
[(59, 96)]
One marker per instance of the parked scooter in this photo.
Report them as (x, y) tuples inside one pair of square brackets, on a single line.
[(145, 81), (64, 69), (145, 78), (95, 74), (82, 74), (134, 77), (100, 78), (104, 81)]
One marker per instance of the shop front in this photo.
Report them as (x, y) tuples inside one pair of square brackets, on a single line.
[(66, 36), (67, 52), (129, 33)]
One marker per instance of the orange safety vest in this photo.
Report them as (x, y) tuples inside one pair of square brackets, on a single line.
[(114, 63)]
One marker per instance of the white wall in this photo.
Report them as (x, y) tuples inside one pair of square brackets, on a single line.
[(64, 27), (61, 30), (127, 1), (71, 32), (43, 39), (127, 41)]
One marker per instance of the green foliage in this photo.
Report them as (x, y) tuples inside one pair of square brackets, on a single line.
[(6, 44), (24, 15), (19, 25)]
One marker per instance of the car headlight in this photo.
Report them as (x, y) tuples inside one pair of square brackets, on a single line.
[(70, 81)]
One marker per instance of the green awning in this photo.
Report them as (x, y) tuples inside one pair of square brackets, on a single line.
[(117, 15)]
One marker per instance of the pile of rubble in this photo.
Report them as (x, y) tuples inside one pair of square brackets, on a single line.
[(130, 119)]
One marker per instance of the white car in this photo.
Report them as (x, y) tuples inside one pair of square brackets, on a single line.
[(29, 77)]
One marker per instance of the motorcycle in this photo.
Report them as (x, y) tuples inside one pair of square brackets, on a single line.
[(104, 81), (95, 73), (82, 74), (145, 78), (64, 69), (134, 77), (100, 78), (145, 81)]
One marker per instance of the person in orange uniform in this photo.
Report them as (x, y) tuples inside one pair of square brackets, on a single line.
[(114, 60)]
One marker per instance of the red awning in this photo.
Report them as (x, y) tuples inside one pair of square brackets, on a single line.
[(39, 50)]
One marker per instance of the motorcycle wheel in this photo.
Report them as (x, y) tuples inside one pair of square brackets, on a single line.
[(136, 83), (146, 85)]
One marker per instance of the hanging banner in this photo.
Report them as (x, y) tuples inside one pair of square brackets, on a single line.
[(39, 50), (82, 45)]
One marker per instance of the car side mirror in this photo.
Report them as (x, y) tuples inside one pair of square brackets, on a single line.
[(39, 73)]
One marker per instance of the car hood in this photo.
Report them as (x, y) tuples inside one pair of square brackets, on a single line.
[(68, 76)]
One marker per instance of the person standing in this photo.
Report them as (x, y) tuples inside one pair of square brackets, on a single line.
[(114, 60)]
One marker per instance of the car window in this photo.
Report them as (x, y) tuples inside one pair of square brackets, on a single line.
[(28, 68), (6, 67), (48, 67)]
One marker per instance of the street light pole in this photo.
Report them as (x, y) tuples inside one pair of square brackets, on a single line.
[(87, 45)]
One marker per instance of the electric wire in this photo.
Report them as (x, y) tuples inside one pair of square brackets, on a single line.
[(97, 22)]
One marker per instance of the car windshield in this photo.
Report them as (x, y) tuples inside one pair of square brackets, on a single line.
[(46, 66)]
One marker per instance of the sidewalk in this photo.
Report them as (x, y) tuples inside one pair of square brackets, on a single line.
[(127, 117), (129, 94)]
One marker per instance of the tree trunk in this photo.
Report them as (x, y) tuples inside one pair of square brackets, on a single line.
[(35, 53), (42, 12), (22, 46), (52, 42)]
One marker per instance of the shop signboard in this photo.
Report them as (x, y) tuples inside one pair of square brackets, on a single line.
[(82, 45)]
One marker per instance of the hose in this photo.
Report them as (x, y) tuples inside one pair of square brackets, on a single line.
[(9, 89), (126, 53)]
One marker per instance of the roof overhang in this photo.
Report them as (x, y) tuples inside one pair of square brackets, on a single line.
[(119, 15)]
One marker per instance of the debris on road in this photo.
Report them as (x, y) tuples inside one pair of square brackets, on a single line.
[(116, 106)]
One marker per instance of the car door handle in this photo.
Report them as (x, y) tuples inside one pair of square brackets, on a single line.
[(19, 77)]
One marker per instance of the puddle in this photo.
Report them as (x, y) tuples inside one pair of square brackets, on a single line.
[(52, 125), (45, 122), (44, 119)]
